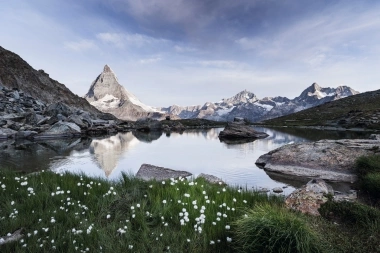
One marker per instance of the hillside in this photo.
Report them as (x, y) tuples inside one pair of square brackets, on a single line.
[(357, 111), (17, 73)]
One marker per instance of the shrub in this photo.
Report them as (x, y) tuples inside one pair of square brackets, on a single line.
[(352, 213), (368, 164), (371, 184), (268, 228)]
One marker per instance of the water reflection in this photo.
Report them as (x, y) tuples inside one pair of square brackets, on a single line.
[(196, 151), (108, 151)]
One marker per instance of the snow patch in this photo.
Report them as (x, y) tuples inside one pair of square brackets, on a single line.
[(266, 107), (224, 111)]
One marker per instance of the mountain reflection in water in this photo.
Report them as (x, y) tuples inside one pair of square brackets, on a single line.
[(196, 151)]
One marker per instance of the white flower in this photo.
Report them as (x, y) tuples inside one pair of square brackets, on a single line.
[(132, 207), (234, 200), (204, 192), (24, 183), (214, 223), (52, 220), (188, 240), (229, 239), (108, 216), (138, 205), (12, 203), (187, 195), (212, 242), (228, 227), (225, 215), (130, 246), (3, 186), (245, 201), (219, 214), (164, 201)]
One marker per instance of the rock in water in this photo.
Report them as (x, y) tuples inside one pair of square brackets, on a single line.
[(148, 172), (211, 179), (239, 131), (326, 159), (309, 198), (60, 129), (108, 96)]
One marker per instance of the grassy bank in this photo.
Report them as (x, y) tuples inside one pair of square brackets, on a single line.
[(73, 213)]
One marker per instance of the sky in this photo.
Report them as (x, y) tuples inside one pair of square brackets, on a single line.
[(188, 52)]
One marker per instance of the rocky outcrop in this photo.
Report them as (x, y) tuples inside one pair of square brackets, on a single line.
[(240, 131), (325, 159), (25, 83), (149, 172), (211, 179), (309, 198), (107, 95)]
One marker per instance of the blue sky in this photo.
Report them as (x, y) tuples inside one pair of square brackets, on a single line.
[(188, 52)]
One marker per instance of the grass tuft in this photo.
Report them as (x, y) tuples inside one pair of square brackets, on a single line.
[(271, 228)]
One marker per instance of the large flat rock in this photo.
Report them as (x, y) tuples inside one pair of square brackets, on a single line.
[(325, 159), (149, 172), (240, 131)]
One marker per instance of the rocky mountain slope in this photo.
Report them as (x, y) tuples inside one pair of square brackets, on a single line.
[(15, 73), (246, 105), (107, 95), (358, 111)]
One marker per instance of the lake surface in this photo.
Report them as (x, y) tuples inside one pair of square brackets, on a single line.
[(196, 151)]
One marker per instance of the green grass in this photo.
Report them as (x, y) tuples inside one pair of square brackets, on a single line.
[(74, 213), (270, 228), (368, 169)]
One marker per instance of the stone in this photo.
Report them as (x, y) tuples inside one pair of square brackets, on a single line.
[(25, 134), (59, 130), (325, 159), (149, 172), (148, 124), (58, 108), (211, 179), (240, 131), (31, 118), (6, 133), (310, 197), (277, 190)]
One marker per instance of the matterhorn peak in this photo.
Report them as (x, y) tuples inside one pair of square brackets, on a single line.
[(107, 69)]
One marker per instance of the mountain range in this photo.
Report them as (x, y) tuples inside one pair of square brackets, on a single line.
[(108, 95)]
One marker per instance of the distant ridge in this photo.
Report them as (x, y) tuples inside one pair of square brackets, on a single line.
[(247, 105), (357, 111)]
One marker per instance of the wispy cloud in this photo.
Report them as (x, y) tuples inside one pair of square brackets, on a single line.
[(123, 39), (150, 60), (82, 45)]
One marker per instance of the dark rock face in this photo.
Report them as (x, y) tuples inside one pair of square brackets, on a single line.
[(325, 159), (240, 131), (149, 172), (16, 75)]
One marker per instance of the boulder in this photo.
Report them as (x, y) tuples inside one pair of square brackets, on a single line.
[(59, 130), (58, 108), (326, 159), (25, 134), (240, 131), (6, 133), (309, 198), (211, 179), (277, 190), (31, 118), (148, 124), (149, 172)]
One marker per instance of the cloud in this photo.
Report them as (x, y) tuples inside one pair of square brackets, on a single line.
[(181, 49), (149, 60), (123, 39), (82, 45)]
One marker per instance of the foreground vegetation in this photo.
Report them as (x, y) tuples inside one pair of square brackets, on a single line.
[(75, 213)]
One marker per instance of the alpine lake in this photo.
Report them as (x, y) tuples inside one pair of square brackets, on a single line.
[(195, 151)]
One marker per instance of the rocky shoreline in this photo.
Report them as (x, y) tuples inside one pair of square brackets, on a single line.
[(326, 159), (24, 117)]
